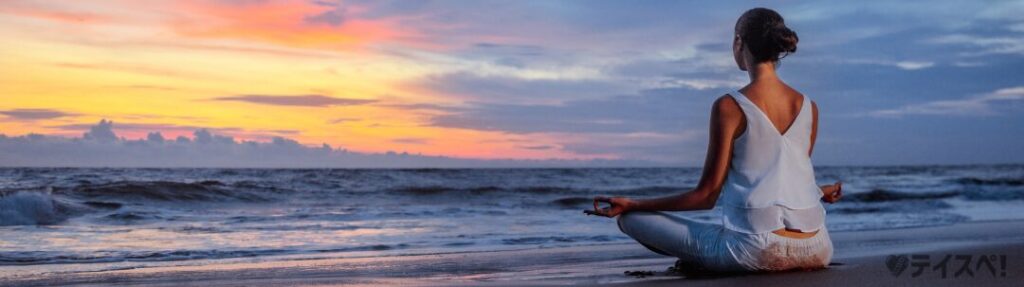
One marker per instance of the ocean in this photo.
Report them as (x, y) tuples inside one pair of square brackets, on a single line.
[(116, 218)]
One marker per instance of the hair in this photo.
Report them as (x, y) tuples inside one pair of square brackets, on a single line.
[(765, 34)]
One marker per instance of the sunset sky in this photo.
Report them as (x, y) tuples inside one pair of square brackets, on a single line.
[(897, 81)]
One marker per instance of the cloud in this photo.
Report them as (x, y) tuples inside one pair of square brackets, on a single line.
[(143, 127), (510, 89), (450, 25), (510, 49), (100, 146), (657, 125), (224, 48), (138, 129), (969, 64), (138, 69), (299, 24), (677, 148), (981, 105), (911, 65), (509, 55), (417, 141), (334, 17), (1019, 27), (1008, 44), (296, 100), (35, 114), (904, 65), (66, 14), (425, 107), (343, 120), (102, 132), (658, 110), (706, 84), (538, 147), (287, 132)]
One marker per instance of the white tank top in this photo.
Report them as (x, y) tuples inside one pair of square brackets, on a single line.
[(771, 183)]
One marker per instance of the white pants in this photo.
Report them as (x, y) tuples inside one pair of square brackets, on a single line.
[(716, 248)]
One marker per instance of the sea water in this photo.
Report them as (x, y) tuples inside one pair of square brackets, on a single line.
[(66, 218)]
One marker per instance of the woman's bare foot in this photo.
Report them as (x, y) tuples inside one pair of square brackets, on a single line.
[(689, 269)]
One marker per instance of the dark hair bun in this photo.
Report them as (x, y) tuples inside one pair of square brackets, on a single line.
[(764, 32), (785, 38)]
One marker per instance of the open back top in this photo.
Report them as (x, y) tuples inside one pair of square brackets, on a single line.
[(770, 184)]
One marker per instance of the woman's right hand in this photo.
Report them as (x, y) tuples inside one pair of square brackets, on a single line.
[(618, 206), (832, 193)]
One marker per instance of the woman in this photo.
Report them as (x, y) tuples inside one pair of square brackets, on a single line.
[(758, 164)]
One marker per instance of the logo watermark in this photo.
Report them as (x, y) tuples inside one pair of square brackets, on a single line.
[(948, 265)]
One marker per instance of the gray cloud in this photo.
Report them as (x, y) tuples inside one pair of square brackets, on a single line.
[(336, 8), (980, 105), (296, 100), (35, 114), (606, 24), (879, 58), (417, 141), (987, 45), (657, 125), (106, 129), (661, 110), (508, 89), (539, 147), (511, 55), (343, 120), (288, 132), (100, 146), (333, 17), (510, 49), (426, 107), (143, 127), (102, 132), (681, 148)]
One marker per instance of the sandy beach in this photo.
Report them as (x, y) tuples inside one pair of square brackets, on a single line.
[(860, 260)]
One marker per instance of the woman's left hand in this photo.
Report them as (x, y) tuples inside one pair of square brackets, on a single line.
[(832, 193), (618, 206)]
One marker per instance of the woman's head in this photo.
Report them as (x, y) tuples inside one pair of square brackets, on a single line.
[(762, 36)]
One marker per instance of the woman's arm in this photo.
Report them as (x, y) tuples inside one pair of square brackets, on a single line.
[(726, 124), (814, 127), (829, 193)]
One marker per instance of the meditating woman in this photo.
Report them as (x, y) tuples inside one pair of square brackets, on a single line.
[(758, 165)]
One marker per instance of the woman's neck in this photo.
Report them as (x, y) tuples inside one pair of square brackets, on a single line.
[(763, 72)]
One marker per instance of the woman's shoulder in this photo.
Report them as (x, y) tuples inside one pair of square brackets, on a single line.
[(727, 112), (726, 105)]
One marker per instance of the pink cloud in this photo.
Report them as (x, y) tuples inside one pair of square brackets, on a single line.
[(285, 23)]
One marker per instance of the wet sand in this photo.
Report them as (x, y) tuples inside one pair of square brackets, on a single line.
[(860, 259)]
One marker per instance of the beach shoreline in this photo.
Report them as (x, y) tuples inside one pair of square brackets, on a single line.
[(860, 259)]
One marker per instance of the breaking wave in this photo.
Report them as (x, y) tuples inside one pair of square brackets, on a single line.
[(209, 190), (34, 208)]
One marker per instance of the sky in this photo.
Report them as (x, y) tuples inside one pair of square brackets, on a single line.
[(453, 83)]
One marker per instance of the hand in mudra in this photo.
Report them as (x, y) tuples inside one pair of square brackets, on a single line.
[(618, 206), (832, 193)]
